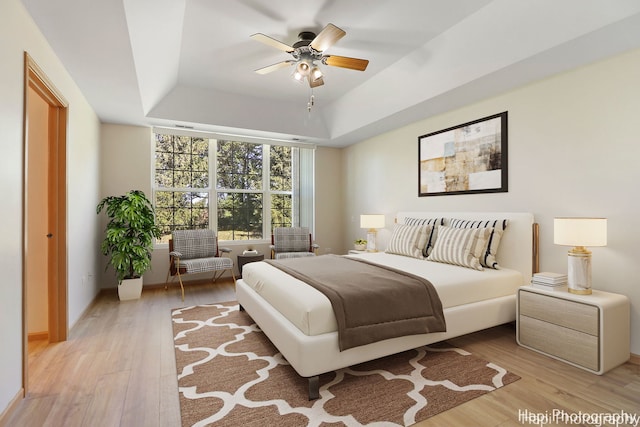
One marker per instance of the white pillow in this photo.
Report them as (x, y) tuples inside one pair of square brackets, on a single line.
[(409, 240), (460, 246), (488, 258)]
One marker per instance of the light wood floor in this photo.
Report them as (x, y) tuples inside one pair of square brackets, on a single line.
[(118, 369)]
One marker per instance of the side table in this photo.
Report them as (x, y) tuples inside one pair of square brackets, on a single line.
[(247, 258), (587, 331), (356, 252)]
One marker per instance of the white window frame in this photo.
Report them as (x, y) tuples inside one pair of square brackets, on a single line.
[(303, 182)]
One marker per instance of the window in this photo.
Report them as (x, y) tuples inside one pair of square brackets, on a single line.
[(256, 186), (181, 183)]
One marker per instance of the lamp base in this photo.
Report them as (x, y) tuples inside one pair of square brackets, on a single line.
[(579, 271), (580, 291), (371, 240)]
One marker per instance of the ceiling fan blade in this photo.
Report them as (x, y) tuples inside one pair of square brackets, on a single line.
[(316, 82), (346, 62), (271, 42), (274, 67), (327, 38)]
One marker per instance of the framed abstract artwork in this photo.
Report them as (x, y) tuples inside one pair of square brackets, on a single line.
[(464, 159)]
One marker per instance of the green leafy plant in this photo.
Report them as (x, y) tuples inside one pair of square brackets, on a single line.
[(360, 242), (129, 234)]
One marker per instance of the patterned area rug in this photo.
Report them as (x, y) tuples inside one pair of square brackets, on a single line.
[(229, 374)]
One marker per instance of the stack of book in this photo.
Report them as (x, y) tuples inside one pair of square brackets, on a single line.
[(550, 281)]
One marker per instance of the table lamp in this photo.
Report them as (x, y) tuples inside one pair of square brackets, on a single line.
[(579, 233), (372, 223)]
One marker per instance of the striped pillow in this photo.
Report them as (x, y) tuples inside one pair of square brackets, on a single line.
[(432, 235), (460, 246), (497, 226), (409, 240)]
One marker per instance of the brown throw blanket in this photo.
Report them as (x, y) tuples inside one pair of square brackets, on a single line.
[(371, 302)]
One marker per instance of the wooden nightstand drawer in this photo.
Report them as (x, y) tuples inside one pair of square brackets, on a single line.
[(588, 331), (559, 311), (568, 344)]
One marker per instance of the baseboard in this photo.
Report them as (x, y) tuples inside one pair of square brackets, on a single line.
[(153, 286), (5, 416), (37, 336), (635, 359)]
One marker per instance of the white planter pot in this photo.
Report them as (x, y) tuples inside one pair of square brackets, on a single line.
[(130, 289), (360, 247)]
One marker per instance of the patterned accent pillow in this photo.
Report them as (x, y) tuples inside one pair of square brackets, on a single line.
[(460, 246), (431, 238), (488, 259), (409, 240)]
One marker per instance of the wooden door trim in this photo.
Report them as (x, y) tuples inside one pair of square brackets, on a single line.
[(37, 80)]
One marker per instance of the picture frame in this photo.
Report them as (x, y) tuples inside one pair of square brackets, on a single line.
[(465, 159)]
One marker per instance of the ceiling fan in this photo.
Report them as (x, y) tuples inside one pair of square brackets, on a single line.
[(307, 50)]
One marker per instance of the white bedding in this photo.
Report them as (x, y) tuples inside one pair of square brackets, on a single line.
[(311, 312), (312, 355)]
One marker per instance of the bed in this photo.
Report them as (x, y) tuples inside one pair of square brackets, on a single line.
[(299, 320)]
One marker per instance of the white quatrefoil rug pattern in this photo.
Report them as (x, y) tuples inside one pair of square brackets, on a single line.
[(229, 374)]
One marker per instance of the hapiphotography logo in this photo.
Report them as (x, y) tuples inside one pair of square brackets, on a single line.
[(558, 417)]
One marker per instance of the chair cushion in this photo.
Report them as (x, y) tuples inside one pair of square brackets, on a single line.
[(195, 243), (201, 265), (291, 239), (284, 255)]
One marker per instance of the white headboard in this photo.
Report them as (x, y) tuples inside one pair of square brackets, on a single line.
[(517, 245)]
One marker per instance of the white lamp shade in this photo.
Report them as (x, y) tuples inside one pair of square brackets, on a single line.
[(580, 231), (372, 221)]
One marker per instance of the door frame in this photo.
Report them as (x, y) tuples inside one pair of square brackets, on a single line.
[(37, 80)]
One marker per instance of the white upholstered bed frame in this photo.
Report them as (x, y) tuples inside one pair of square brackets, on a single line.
[(311, 356)]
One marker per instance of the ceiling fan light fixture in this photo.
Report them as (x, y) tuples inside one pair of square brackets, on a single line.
[(297, 76), (316, 82), (309, 49), (303, 67), (316, 73)]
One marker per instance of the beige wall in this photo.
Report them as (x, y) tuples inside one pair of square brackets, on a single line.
[(125, 156), (18, 34), (329, 191), (573, 151)]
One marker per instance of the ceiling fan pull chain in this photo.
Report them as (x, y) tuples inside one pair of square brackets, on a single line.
[(311, 101)]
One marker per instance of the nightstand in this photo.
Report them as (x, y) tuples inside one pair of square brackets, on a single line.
[(591, 332), (355, 252), (246, 259)]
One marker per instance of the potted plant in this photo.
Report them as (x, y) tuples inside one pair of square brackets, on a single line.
[(359, 244), (128, 239)]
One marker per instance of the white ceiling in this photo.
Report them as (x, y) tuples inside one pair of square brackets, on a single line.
[(191, 62)]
